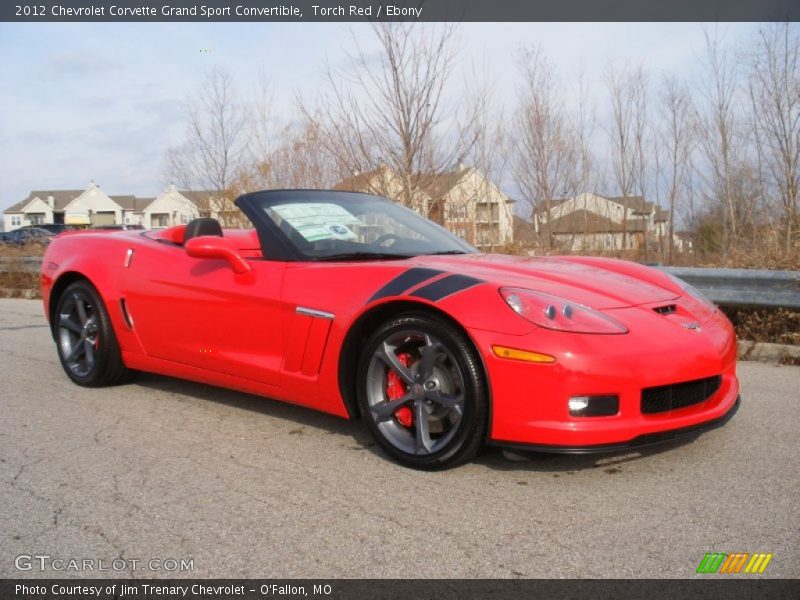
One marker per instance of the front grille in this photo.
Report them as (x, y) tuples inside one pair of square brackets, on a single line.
[(679, 395)]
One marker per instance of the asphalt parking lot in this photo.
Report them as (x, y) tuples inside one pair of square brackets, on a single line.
[(247, 487)]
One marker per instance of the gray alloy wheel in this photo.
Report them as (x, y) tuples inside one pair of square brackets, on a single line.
[(433, 391), (422, 392), (78, 333), (87, 346)]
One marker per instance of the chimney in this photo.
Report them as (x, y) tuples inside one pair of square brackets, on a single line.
[(51, 202)]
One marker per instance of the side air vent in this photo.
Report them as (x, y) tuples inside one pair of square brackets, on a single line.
[(125, 314), (667, 309)]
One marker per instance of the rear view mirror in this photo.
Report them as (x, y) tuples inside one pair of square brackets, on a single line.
[(209, 246)]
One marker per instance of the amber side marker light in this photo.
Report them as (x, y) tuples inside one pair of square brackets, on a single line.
[(524, 355)]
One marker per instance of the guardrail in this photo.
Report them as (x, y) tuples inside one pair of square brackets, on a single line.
[(758, 288), (20, 264)]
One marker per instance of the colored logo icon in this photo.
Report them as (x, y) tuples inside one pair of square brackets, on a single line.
[(737, 562)]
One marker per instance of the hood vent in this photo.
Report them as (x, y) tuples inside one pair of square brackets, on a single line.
[(667, 309)]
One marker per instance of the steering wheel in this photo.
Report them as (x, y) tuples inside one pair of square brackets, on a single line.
[(386, 237)]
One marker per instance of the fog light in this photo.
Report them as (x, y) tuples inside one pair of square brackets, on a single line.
[(593, 406), (577, 404)]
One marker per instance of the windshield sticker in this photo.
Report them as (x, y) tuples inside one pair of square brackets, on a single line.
[(319, 221)]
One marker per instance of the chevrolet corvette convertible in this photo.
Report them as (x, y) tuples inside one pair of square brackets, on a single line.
[(351, 304)]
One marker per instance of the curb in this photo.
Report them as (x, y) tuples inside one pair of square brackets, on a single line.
[(766, 352), (24, 294)]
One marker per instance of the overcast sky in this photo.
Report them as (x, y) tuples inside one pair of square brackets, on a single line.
[(103, 102)]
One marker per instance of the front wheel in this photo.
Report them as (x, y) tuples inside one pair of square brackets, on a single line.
[(422, 392), (87, 347)]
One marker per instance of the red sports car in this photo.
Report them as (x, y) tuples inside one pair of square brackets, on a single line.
[(351, 304)]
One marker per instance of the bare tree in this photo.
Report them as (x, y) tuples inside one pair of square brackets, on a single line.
[(216, 139), (676, 142), (545, 154), (774, 89), (390, 109), (628, 91), (585, 176), (720, 132)]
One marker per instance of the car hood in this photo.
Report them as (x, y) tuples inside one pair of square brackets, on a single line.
[(589, 285)]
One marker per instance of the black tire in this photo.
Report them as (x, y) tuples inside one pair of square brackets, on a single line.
[(83, 331), (455, 409)]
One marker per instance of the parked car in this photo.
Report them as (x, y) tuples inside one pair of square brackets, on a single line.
[(350, 304), (54, 228), (116, 227), (28, 235)]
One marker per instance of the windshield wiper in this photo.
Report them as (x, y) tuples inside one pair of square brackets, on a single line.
[(443, 252), (363, 256)]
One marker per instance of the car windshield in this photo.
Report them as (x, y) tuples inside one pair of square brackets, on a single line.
[(350, 226)]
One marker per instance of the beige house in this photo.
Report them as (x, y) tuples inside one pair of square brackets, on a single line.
[(93, 207), (594, 222), (465, 201), (383, 181)]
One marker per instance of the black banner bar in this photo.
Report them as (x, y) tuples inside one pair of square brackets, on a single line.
[(735, 586), (400, 10)]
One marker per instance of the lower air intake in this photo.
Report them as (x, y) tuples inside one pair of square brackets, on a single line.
[(679, 395)]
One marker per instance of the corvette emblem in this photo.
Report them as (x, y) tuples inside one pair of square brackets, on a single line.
[(694, 325)]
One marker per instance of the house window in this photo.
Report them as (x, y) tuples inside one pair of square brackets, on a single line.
[(186, 219), (457, 211), (16, 220), (36, 218)]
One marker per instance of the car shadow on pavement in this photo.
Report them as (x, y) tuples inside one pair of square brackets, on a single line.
[(290, 413), (610, 462), (492, 457)]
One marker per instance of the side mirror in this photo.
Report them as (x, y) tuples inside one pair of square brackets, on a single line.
[(210, 246)]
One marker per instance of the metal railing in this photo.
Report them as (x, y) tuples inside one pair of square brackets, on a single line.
[(758, 288), (20, 264)]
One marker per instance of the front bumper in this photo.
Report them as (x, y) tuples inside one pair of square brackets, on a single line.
[(529, 401), (642, 441)]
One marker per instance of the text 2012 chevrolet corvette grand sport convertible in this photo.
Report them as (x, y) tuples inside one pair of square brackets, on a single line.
[(353, 305)]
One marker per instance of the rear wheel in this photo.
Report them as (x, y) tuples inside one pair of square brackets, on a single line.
[(87, 347), (422, 393)]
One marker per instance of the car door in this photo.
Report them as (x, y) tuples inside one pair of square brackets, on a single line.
[(200, 313)]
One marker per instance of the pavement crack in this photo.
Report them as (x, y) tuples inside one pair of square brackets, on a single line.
[(21, 470), (107, 428)]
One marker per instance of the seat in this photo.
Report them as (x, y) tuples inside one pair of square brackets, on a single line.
[(202, 226)]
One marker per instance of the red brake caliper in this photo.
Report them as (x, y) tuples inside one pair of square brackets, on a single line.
[(397, 388)]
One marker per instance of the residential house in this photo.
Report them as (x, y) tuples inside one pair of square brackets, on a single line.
[(465, 201), (92, 207), (594, 222), (473, 207), (383, 181)]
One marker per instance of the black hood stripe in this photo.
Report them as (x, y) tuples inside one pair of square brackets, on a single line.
[(441, 288), (404, 281)]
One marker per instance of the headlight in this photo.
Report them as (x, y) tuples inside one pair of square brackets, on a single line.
[(693, 292), (552, 312)]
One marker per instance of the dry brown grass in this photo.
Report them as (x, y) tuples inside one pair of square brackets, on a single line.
[(768, 257), (779, 326), (7, 250), (16, 285)]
